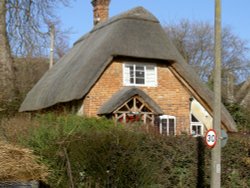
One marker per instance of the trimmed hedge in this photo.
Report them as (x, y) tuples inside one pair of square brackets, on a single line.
[(96, 153)]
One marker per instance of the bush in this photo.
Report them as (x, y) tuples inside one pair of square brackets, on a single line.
[(112, 159), (46, 139), (106, 155), (96, 153), (236, 161), (240, 116)]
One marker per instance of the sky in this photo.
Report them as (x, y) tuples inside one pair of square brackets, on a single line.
[(235, 14)]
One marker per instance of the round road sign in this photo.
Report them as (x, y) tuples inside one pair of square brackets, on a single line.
[(211, 138)]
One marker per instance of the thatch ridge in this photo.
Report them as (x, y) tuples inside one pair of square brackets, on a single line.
[(138, 13)]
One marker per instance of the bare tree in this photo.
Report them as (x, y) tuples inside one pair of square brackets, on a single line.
[(23, 32), (7, 84), (28, 24), (61, 41), (195, 42)]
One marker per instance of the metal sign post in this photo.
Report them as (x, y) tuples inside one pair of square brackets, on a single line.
[(224, 138)]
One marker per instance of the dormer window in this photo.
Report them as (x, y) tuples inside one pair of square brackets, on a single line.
[(139, 74)]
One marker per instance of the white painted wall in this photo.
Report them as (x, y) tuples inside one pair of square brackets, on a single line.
[(201, 114)]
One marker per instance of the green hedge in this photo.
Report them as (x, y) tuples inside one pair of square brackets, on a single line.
[(104, 155)]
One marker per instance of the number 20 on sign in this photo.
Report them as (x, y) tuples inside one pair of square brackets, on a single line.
[(211, 138)]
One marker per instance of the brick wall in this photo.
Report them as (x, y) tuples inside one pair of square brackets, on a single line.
[(170, 94)]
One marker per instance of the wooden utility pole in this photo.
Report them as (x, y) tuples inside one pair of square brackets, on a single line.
[(52, 42), (216, 151)]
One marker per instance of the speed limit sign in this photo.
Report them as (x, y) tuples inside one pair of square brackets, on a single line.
[(211, 138)]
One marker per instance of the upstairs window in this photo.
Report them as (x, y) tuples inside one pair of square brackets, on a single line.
[(139, 74)]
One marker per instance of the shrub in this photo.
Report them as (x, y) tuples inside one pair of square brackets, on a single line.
[(112, 159), (240, 116), (236, 161), (46, 139), (103, 154), (96, 153)]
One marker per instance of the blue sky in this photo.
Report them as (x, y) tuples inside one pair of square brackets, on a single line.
[(235, 13)]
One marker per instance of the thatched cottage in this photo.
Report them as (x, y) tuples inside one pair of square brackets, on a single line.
[(126, 68)]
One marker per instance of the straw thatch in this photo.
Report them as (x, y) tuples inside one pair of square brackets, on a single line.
[(18, 164)]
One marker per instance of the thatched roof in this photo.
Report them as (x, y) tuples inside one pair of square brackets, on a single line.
[(125, 94), (74, 74), (136, 33)]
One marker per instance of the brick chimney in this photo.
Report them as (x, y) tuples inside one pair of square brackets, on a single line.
[(101, 10)]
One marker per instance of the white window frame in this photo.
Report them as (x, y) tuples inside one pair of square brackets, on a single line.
[(167, 117), (196, 124), (126, 80)]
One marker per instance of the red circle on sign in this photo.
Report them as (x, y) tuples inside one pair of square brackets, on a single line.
[(211, 138)]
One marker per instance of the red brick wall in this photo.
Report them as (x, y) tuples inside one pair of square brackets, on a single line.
[(170, 94)]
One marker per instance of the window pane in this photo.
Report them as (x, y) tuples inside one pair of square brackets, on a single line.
[(131, 80), (139, 75), (171, 127), (145, 109), (139, 68), (194, 119), (131, 71), (194, 131), (164, 128), (164, 121), (138, 103), (199, 130), (130, 103), (131, 74), (140, 81)]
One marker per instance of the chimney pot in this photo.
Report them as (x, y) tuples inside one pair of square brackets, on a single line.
[(101, 10)]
